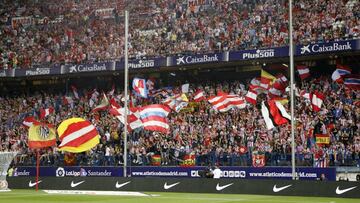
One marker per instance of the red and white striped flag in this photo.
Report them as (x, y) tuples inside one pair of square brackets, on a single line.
[(133, 117), (277, 89), (304, 71), (251, 97), (103, 104), (46, 112), (225, 102), (317, 100), (75, 92), (29, 121), (199, 96)]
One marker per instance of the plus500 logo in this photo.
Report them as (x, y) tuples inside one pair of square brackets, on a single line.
[(259, 54), (224, 174)]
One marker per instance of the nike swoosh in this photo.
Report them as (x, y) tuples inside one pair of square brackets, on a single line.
[(219, 188), (166, 186), (117, 185), (76, 184), (339, 192), (33, 184), (276, 189)]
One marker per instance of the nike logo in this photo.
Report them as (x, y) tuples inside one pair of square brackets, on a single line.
[(219, 188), (76, 184), (117, 185), (339, 192), (166, 186), (276, 189), (33, 184)]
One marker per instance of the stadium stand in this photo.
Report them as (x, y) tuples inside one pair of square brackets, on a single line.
[(228, 139), (43, 33)]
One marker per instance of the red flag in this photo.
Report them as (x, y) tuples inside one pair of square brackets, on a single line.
[(46, 112), (199, 96), (317, 99), (251, 97), (29, 121), (304, 71)]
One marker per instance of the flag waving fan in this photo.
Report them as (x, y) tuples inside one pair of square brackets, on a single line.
[(77, 135), (41, 135)]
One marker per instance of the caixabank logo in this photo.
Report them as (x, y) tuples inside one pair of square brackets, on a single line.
[(327, 47), (206, 58)]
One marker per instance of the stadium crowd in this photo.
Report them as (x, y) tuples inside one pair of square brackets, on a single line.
[(229, 138), (40, 33)]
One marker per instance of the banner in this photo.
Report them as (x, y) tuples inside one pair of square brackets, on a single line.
[(70, 171), (188, 160), (196, 59), (259, 54), (7, 73), (24, 21), (156, 160), (193, 172), (37, 71), (322, 139), (323, 48), (105, 13), (93, 67), (142, 63)]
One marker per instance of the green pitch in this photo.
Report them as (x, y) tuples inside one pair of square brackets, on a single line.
[(30, 196)]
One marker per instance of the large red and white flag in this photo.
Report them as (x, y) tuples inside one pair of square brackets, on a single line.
[(274, 114), (176, 102), (317, 100), (133, 117), (277, 89), (251, 97), (154, 117), (29, 121), (199, 96), (340, 72), (225, 102), (352, 81), (104, 104), (46, 112), (304, 71)]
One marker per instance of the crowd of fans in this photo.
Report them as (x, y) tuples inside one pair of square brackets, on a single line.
[(38, 33), (229, 138)]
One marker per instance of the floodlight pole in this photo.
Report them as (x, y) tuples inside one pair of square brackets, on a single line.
[(126, 80), (291, 47)]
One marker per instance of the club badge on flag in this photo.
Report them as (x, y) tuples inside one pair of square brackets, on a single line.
[(41, 135), (139, 87), (77, 135)]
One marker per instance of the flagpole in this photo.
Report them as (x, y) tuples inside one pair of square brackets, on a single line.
[(37, 168), (126, 90), (291, 47)]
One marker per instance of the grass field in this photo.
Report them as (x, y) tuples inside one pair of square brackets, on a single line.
[(30, 196)]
